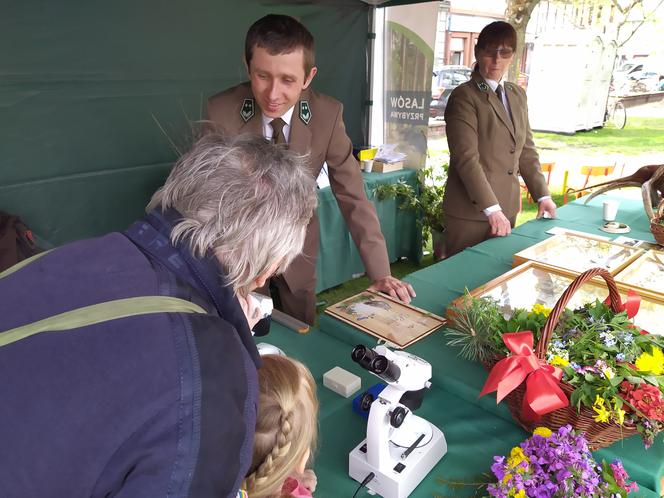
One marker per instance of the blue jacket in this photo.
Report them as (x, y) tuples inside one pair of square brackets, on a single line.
[(159, 405)]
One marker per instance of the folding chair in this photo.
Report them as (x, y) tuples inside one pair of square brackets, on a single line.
[(589, 171)]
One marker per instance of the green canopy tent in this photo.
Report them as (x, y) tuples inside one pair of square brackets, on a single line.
[(96, 97)]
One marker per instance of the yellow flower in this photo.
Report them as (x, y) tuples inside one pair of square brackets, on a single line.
[(521, 494), (542, 431), (517, 456), (559, 361), (651, 362), (602, 413), (608, 373), (618, 414), (542, 310), (507, 478)]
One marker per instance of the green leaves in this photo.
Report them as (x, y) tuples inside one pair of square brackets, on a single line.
[(524, 320), (426, 201)]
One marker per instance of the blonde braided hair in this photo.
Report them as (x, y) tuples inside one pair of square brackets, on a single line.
[(286, 425)]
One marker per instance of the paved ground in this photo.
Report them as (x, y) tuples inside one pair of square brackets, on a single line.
[(571, 160)]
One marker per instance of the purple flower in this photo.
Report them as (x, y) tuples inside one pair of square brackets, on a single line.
[(608, 338), (560, 465)]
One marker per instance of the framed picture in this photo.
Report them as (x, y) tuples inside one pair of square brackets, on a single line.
[(398, 323), (579, 253), (646, 273), (641, 244), (533, 283)]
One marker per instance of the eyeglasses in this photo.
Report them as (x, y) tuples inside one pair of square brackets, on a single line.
[(503, 53)]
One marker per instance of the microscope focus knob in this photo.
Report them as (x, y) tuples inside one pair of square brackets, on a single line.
[(397, 416), (365, 401)]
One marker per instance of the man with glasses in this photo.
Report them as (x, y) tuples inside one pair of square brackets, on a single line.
[(491, 144)]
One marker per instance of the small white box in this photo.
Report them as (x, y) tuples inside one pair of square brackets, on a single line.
[(341, 381)]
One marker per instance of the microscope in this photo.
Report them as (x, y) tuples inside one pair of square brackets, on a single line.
[(401, 448)]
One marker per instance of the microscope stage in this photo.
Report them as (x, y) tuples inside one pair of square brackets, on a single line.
[(410, 431)]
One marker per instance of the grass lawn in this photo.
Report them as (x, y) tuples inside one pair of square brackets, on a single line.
[(639, 135)]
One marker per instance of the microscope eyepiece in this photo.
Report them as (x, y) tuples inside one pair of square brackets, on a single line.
[(379, 364), (375, 363), (358, 353)]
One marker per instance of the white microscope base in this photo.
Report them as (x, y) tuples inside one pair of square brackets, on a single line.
[(389, 483)]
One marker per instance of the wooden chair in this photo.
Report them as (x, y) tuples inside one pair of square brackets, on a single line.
[(589, 171), (546, 168)]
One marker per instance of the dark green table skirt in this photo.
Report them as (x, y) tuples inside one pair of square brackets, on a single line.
[(338, 258)]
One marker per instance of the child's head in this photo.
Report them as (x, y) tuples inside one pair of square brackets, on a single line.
[(286, 425)]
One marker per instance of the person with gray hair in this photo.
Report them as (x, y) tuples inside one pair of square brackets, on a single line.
[(147, 383)]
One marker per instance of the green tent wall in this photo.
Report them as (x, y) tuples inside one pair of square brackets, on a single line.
[(96, 96)]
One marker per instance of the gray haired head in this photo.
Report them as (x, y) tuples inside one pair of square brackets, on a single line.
[(245, 200)]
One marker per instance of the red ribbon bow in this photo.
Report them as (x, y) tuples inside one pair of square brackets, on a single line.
[(631, 304), (543, 393)]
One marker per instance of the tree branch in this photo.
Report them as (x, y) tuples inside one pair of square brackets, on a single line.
[(641, 23)]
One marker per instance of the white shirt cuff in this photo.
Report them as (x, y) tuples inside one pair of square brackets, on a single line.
[(543, 198), (491, 209)]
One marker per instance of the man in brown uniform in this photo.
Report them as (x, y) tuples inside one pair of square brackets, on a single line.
[(491, 144), (278, 104)]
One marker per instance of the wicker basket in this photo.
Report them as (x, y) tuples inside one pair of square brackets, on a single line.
[(657, 224), (598, 434)]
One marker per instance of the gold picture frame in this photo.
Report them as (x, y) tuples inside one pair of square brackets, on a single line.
[(533, 283), (578, 253), (646, 274), (385, 318)]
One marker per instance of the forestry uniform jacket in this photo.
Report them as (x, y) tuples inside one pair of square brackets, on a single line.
[(317, 129), (488, 151)]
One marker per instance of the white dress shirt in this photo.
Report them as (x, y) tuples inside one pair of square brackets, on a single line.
[(267, 128), (323, 180)]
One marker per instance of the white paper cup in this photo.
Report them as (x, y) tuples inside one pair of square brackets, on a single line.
[(610, 210), (367, 165)]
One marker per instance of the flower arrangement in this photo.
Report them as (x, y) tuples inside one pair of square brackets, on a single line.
[(557, 464), (615, 369)]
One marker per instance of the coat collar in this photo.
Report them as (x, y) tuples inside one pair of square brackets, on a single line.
[(482, 87), (300, 133), (152, 235)]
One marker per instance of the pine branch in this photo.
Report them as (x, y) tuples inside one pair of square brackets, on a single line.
[(473, 328)]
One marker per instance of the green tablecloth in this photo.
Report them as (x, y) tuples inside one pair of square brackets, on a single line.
[(475, 429), (338, 258)]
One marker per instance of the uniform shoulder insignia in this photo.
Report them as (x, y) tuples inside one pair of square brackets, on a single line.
[(509, 86), (483, 86), (248, 109), (305, 111)]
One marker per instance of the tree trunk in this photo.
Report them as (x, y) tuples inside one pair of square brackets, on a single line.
[(518, 14)]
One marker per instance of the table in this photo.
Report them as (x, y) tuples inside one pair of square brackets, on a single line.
[(338, 257), (476, 430)]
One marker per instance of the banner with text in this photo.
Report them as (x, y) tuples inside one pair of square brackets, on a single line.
[(410, 37)]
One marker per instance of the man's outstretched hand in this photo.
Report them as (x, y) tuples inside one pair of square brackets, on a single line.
[(394, 287)]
